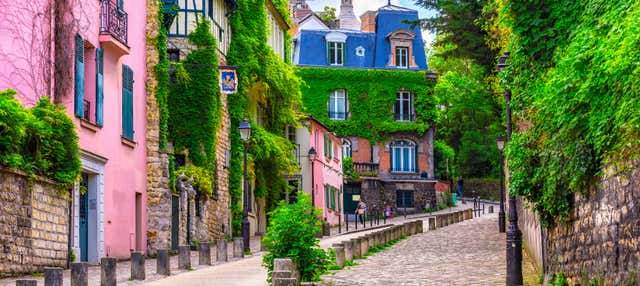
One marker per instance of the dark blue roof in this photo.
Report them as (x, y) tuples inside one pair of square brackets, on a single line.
[(312, 46)]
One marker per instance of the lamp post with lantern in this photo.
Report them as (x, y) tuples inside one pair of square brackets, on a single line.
[(245, 134), (501, 218), (514, 236), (312, 159)]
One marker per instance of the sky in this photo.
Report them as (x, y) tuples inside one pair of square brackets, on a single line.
[(361, 6)]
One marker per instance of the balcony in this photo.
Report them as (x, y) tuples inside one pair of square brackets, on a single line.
[(366, 169), (404, 117), (114, 28)]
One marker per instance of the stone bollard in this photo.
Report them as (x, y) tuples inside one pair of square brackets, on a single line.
[(163, 266), (79, 273), (238, 247), (413, 228), (466, 214), (221, 250), (53, 276), (438, 219), (340, 255), (432, 223), (445, 220), (285, 282), (184, 257), (204, 253), (455, 217), (371, 242), (284, 272), (461, 216), (137, 266), (348, 250), (420, 226), (108, 273), (364, 245), (355, 248), (23, 282), (490, 209)]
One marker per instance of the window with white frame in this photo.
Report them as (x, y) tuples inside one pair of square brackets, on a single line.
[(346, 148), (335, 53), (403, 108), (338, 105), (402, 57), (403, 156)]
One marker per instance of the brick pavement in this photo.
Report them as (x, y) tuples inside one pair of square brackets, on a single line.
[(468, 253)]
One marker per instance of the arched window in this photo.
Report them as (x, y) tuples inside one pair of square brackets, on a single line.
[(346, 148), (403, 156), (338, 104)]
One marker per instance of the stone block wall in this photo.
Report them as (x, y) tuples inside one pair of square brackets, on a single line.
[(602, 238), (34, 224), (484, 188), (377, 194)]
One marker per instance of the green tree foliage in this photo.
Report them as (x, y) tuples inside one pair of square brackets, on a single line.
[(371, 96), (291, 233), (268, 83), (574, 75), (40, 141), (348, 169), (195, 105), (328, 15), (445, 158), (459, 22), (470, 116)]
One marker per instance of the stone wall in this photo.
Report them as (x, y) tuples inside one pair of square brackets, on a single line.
[(158, 193), (484, 188), (34, 224), (602, 238), (377, 194)]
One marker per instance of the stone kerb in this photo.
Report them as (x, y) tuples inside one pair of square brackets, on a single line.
[(432, 223), (340, 254), (371, 242), (348, 250), (355, 247), (364, 245), (420, 226)]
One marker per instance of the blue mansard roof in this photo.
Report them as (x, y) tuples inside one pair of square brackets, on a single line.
[(310, 46)]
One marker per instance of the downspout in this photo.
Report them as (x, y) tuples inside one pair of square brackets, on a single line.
[(70, 237)]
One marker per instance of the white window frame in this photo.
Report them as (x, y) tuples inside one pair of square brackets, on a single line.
[(338, 54), (402, 145), (402, 97), (335, 97), (402, 53)]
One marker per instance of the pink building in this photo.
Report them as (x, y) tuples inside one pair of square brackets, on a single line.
[(326, 172), (89, 56)]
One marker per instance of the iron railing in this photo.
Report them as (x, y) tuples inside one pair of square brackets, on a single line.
[(114, 20), (366, 168)]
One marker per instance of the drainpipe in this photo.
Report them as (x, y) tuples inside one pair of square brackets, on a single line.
[(70, 237)]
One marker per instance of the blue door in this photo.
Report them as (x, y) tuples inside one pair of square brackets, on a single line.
[(84, 219)]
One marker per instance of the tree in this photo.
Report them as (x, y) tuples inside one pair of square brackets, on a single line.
[(328, 16), (459, 22)]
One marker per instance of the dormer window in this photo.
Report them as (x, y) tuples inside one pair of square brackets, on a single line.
[(336, 53), (402, 57)]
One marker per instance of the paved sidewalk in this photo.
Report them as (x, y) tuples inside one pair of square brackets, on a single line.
[(467, 253)]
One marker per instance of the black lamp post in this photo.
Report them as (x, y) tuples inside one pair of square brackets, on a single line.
[(312, 159), (501, 219), (245, 134), (514, 237)]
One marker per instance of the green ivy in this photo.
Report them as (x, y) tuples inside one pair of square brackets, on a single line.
[(371, 95), (348, 169), (40, 141), (194, 100), (574, 75), (202, 179), (162, 76), (265, 80)]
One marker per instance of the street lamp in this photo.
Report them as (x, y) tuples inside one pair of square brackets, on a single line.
[(514, 237), (501, 221), (312, 159), (245, 134)]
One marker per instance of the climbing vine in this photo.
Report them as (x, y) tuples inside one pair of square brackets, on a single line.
[(371, 95), (269, 91), (162, 76), (574, 75)]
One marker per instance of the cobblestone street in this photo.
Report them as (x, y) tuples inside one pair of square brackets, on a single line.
[(468, 253)]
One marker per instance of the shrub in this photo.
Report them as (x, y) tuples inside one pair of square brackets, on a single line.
[(291, 234), (12, 128), (348, 169), (202, 179)]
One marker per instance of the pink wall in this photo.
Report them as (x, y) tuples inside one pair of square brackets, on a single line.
[(327, 171), (125, 171)]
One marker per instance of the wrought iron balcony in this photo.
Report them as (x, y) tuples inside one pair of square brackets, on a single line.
[(404, 117), (114, 21), (366, 169)]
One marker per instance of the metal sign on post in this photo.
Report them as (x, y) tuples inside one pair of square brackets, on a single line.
[(228, 79)]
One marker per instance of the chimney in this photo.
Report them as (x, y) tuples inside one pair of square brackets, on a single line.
[(348, 20), (368, 20)]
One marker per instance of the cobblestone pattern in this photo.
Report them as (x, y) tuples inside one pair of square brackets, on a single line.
[(471, 252), (34, 221), (602, 238)]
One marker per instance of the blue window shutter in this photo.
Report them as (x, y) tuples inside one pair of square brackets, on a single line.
[(79, 78), (99, 87), (127, 102)]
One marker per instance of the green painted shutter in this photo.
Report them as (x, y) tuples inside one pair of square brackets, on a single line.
[(324, 141), (99, 86), (326, 196), (79, 78), (127, 102), (333, 198)]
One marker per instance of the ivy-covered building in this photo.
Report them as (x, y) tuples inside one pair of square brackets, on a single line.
[(370, 84)]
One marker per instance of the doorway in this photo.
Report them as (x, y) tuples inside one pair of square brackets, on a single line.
[(88, 217), (351, 196)]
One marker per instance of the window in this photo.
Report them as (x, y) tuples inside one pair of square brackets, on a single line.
[(328, 147), (404, 199), (127, 102), (403, 109), (188, 13), (403, 156), (402, 57), (336, 53), (338, 105), (346, 148)]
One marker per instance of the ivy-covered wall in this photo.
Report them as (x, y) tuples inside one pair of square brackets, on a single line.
[(371, 95), (268, 82)]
